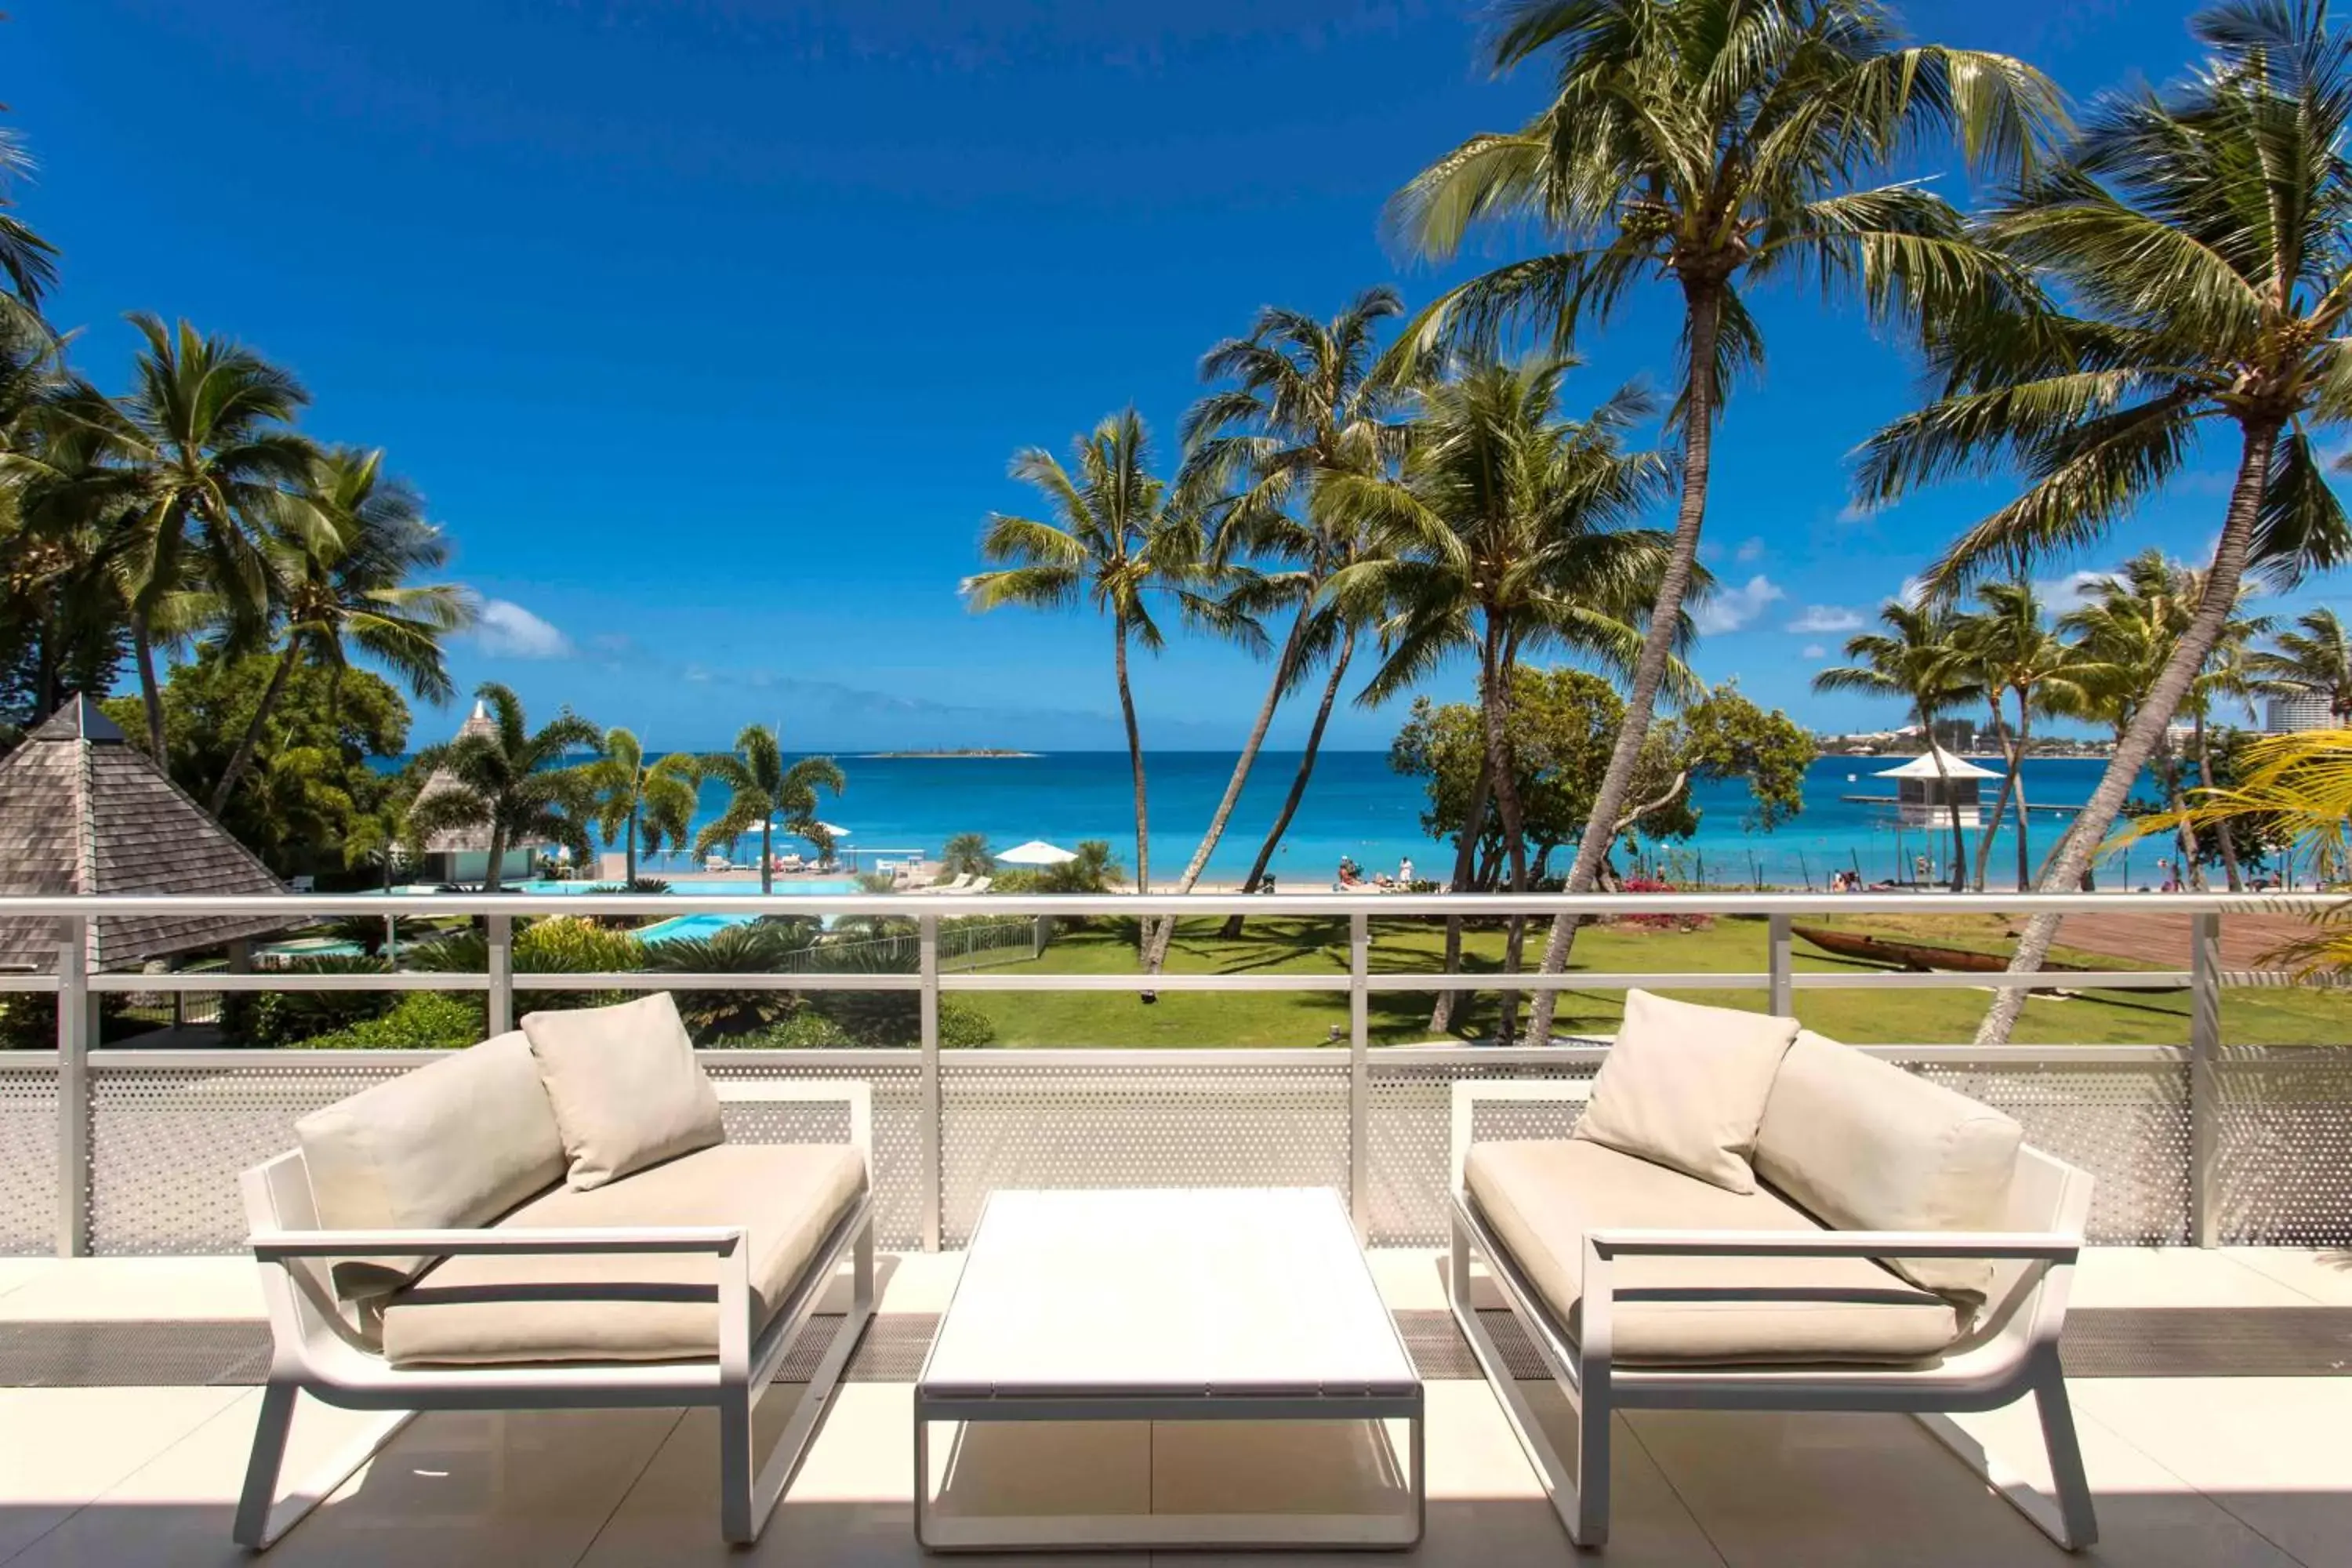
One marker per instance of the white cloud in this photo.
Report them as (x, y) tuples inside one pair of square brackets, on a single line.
[(2072, 592), (1749, 550), (506, 629), (1826, 619), (1854, 511), (1815, 650), (1732, 608), (1912, 591)]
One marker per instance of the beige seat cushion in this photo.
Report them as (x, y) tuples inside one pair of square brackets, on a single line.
[(1868, 1146), (451, 1146), (478, 1310), (626, 1089), (1541, 1197), (1685, 1086)]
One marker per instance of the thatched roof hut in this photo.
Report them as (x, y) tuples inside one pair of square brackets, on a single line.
[(84, 811), (463, 854)]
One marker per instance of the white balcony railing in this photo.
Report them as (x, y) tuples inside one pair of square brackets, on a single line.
[(137, 1150)]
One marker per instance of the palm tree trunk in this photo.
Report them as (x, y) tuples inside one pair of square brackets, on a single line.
[(1951, 804), (151, 695), (2191, 874), (1232, 927), (629, 849), (2090, 826), (1166, 930), (1999, 805), (1465, 876), (2024, 812), (497, 859), (767, 861), (242, 758), (1701, 319), (2205, 778), (1495, 703), (1135, 763)]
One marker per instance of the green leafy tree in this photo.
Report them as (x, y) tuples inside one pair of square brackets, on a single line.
[(2314, 660), (1717, 145), (1921, 660), (2188, 269), (27, 261), (641, 802), (1506, 536), (1119, 541), (1298, 405), (342, 584), (761, 787), (967, 855), (515, 781)]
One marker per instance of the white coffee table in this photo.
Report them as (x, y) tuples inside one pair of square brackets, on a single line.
[(1240, 1305)]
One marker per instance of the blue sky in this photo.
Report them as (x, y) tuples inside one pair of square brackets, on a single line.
[(706, 327)]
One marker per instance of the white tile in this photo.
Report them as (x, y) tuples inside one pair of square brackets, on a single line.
[(17, 1271), (2173, 1277), (2325, 1275), (136, 1290), (60, 1447), (918, 1281), (2271, 1450), (1411, 1279)]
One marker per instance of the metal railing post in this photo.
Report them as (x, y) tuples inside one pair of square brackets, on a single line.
[(2204, 1079), (1360, 1074), (929, 1119), (1778, 965), (501, 967), (74, 1018)]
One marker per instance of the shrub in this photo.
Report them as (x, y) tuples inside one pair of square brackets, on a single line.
[(563, 944), (763, 947), (420, 1020), (269, 1020), (1657, 922)]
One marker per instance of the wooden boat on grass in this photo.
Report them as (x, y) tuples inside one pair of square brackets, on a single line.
[(1924, 957)]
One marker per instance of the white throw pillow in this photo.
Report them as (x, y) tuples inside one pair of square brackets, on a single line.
[(1685, 1087), (626, 1089)]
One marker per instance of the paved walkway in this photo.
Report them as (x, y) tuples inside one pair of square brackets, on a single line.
[(2164, 939)]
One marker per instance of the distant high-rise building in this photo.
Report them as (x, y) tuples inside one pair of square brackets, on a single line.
[(2308, 710)]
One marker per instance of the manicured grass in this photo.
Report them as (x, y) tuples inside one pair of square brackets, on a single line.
[(2282, 1016)]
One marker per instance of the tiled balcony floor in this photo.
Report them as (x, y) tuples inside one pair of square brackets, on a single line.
[(2189, 1471)]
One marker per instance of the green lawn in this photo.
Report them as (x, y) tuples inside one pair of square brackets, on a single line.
[(2282, 1016)]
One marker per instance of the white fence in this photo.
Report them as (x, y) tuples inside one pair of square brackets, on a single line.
[(131, 1151)]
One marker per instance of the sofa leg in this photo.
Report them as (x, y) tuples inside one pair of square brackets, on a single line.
[(261, 1517), (2069, 1518), (1580, 1496), (738, 1520)]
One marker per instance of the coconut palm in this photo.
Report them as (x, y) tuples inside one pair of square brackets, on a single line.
[(1300, 406), (514, 781), (27, 261), (2193, 258), (762, 786), (1505, 536), (201, 460), (2315, 660), (637, 803), (2015, 656), (1922, 660), (967, 855), (1121, 540), (61, 605), (1719, 145), (345, 585)]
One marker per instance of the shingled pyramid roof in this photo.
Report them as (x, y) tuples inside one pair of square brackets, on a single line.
[(472, 839), (84, 811)]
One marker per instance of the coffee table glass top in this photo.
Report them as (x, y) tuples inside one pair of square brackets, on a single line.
[(1199, 1291)]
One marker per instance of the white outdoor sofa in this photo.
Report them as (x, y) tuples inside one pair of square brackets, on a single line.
[(552, 1219), (1900, 1249)]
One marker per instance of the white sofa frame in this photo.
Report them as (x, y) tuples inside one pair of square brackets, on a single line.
[(2014, 1352), (318, 1350)]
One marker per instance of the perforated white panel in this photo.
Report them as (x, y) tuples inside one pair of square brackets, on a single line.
[(1409, 1132), (897, 1158), (2284, 1154), (1190, 1123), (29, 1159)]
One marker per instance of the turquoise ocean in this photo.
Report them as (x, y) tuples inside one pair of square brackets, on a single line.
[(1357, 806)]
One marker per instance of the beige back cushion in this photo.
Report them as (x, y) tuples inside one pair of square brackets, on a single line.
[(1685, 1086), (626, 1089), (451, 1146), (1867, 1146)]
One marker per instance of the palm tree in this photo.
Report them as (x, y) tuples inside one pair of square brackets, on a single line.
[(1301, 405), (2191, 268), (27, 261), (1505, 536), (2314, 660), (200, 458), (1922, 658), (762, 786), (634, 802), (345, 584), (512, 780), (1121, 541), (1717, 143), (2012, 653), (966, 854)]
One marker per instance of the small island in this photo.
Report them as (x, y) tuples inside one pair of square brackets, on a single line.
[(950, 752)]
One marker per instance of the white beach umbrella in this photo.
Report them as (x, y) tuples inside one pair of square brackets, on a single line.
[(833, 832), (1036, 852)]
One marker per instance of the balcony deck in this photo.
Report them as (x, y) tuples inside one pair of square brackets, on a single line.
[(2232, 1467)]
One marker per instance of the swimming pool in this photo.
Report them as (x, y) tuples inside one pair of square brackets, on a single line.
[(679, 926), (797, 887)]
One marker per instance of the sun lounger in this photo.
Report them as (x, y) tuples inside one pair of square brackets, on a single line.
[(554, 1219), (965, 886)]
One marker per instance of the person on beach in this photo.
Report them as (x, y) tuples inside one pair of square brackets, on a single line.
[(1349, 877), (1404, 872)]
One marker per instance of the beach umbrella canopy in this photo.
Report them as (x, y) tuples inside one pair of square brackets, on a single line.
[(1036, 852), (833, 832)]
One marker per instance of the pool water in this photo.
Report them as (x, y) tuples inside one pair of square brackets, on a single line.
[(798, 887), (690, 926)]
